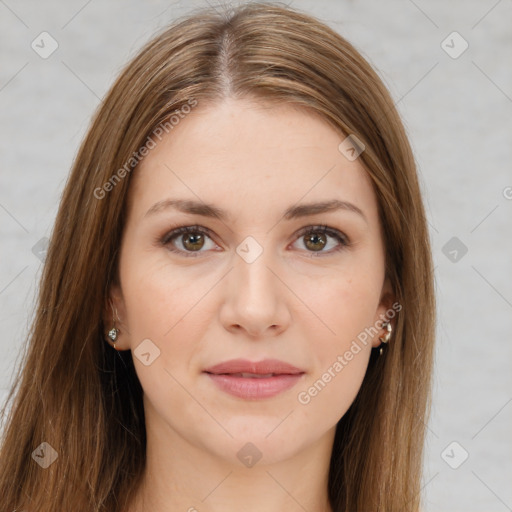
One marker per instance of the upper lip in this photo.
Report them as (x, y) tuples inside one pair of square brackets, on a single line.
[(264, 367)]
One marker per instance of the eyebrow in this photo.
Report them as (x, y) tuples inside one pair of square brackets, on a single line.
[(293, 212)]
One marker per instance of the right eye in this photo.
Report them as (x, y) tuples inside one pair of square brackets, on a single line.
[(191, 238)]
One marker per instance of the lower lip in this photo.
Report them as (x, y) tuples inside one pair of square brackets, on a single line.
[(254, 388)]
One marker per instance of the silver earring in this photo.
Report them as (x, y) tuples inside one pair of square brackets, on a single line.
[(114, 332), (385, 338)]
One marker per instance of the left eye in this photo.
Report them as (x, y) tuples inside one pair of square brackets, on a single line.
[(315, 237), (193, 239)]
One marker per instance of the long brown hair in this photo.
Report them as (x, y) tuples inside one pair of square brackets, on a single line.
[(74, 392)]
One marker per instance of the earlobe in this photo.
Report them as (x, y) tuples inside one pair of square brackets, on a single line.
[(111, 318), (385, 313)]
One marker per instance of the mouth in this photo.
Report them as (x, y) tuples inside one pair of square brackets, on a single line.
[(254, 380), (251, 375)]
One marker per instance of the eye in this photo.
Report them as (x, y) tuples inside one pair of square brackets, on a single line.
[(315, 238), (193, 239)]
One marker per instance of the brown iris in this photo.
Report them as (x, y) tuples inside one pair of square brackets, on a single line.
[(193, 242), (315, 238)]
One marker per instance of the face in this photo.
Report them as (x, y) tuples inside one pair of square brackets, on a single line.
[(250, 282)]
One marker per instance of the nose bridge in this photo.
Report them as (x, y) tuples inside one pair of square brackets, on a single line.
[(252, 273), (254, 296)]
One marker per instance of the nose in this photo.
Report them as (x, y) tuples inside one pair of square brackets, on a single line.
[(255, 298)]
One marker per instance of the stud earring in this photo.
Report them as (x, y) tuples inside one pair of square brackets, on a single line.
[(114, 332), (386, 337)]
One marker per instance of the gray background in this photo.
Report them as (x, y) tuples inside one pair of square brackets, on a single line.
[(458, 114)]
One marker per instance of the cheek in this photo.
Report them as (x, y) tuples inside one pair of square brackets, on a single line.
[(340, 340), (345, 304), (328, 395), (164, 306), (159, 296), (347, 307), (171, 307)]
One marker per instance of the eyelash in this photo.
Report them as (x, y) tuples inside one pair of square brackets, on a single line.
[(321, 228)]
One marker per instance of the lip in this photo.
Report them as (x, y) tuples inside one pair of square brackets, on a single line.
[(226, 376), (259, 367)]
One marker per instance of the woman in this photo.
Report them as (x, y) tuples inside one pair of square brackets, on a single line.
[(237, 306)]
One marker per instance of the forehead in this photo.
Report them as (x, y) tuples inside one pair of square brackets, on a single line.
[(247, 156)]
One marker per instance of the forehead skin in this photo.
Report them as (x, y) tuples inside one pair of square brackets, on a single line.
[(254, 160)]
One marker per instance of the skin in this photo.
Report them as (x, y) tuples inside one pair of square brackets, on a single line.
[(293, 303)]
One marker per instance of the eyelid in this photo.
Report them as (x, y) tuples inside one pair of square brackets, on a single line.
[(343, 239)]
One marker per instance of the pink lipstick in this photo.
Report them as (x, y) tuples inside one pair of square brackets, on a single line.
[(254, 380)]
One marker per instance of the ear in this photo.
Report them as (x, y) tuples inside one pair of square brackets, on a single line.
[(387, 299), (114, 314)]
